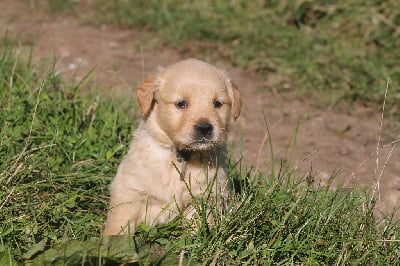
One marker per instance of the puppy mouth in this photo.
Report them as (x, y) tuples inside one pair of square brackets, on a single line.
[(205, 136), (204, 142), (199, 145)]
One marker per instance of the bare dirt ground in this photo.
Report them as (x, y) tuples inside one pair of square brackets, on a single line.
[(327, 139)]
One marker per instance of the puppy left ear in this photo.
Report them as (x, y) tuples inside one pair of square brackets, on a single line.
[(145, 95), (236, 102)]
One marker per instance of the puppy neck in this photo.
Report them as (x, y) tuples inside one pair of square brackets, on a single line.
[(185, 157), (182, 155), (208, 157)]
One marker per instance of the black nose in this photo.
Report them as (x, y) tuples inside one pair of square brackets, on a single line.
[(203, 130)]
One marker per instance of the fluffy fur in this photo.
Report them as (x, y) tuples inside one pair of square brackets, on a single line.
[(187, 109)]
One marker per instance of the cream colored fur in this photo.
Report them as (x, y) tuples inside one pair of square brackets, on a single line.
[(149, 186)]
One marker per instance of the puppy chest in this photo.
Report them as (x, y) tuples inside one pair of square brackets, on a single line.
[(172, 188)]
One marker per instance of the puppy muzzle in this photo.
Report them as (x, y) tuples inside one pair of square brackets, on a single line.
[(203, 131)]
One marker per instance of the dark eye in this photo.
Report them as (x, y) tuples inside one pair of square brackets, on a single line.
[(181, 104), (217, 104)]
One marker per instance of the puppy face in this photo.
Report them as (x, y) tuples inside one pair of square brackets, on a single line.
[(192, 102)]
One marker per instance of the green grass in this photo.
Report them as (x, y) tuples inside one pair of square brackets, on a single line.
[(343, 51), (58, 152), (60, 148)]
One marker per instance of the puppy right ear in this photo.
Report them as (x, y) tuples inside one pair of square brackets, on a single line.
[(145, 95)]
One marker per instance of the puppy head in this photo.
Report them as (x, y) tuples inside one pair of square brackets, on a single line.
[(191, 103)]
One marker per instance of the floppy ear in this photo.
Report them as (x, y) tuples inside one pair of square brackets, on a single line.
[(236, 102), (145, 95)]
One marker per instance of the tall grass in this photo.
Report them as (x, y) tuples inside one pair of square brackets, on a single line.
[(59, 149)]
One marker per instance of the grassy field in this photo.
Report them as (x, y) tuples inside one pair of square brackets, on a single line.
[(340, 51), (60, 148)]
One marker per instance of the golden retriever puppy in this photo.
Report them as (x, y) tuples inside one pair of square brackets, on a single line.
[(178, 150)]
